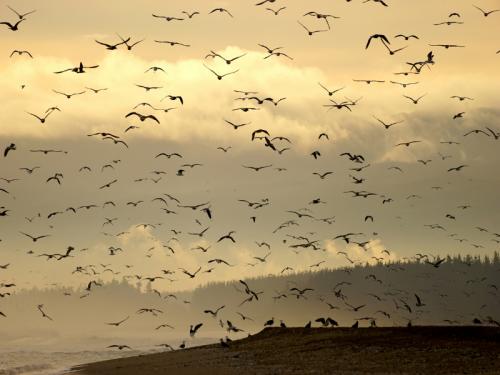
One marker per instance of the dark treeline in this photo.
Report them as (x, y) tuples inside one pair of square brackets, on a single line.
[(457, 291)]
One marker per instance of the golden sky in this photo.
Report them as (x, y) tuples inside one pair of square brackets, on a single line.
[(60, 34)]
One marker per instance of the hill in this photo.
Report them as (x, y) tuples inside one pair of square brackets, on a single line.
[(415, 350)]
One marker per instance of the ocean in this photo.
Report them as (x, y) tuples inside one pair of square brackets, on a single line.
[(52, 363)]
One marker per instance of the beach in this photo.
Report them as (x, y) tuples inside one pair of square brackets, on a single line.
[(414, 350)]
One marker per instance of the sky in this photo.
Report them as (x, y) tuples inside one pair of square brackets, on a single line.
[(60, 35)]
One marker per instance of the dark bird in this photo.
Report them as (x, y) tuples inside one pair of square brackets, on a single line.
[(116, 324), (78, 69), (322, 175), (407, 144), (311, 32), (486, 13), (19, 52), (9, 148), (220, 76), (190, 15), (227, 61), (168, 18), (276, 11), (457, 169), (269, 323), (237, 126), (13, 27), (44, 315), (175, 97), (330, 92), (69, 96), (220, 10), (35, 238), (381, 37), (388, 125), (191, 275), (194, 329), (172, 43), (41, 119), (228, 236), (415, 101), (214, 313), (119, 346), (436, 263), (419, 301), (21, 16), (406, 37), (143, 117), (112, 47)]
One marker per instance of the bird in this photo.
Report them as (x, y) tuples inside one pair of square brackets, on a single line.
[(190, 15), (321, 16), (191, 275), (35, 238), (21, 16), (96, 91), (117, 324), (112, 47), (381, 37), (78, 69), (164, 326), (13, 27), (41, 119), (269, 323), (381, 2), (221, 10), (220, 76), (226, 60), (168, 18), (155, 69), (9, 148), (237, 126), (461, 98), (276, 11), (436, 263), (486, 13), (214, 312), (148, 88), (69, 96), (142, 117), (311, 32), (44, 315), (457, 169), (406, 37), (119, 346), (323, 175), (194, 328), (228, 236), (388, 125), (20, 53), (415, 101), (447, 46), (407, 144), (419, 301), (175, 97), (258, 168)]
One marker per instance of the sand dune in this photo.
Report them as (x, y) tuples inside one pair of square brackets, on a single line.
[(415, 350)]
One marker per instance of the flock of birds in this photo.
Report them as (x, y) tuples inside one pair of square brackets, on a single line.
[(248, 101)]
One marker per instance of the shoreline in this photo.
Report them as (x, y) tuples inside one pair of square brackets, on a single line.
[(413, 350)]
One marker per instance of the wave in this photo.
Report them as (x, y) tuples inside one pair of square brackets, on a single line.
[(50, 363), (27, 369)]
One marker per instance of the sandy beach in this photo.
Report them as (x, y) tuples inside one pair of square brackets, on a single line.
[(415, 350)]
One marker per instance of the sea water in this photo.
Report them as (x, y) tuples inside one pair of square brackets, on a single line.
[(53, 363)]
